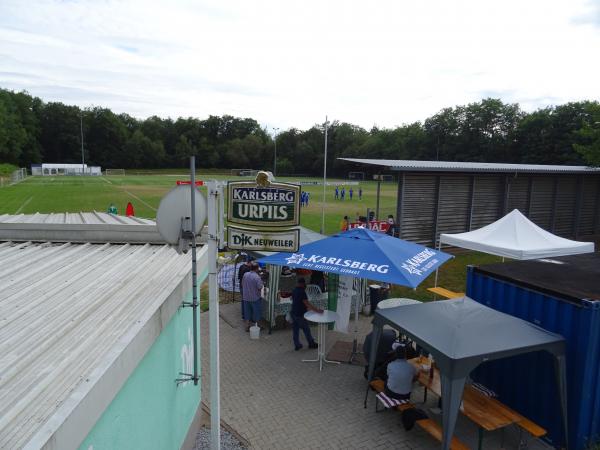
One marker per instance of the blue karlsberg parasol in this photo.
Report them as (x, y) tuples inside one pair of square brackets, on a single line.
[(362, 253)]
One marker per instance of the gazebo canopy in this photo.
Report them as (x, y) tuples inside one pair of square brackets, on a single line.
[(515, 236), (461, 334)]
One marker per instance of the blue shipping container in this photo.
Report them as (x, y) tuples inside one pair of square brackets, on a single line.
[(526, 382)]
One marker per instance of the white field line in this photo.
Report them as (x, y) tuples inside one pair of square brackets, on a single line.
[(136, 197), (25, 203), (129, 193)]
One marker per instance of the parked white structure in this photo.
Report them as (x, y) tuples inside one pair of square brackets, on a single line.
[(51, 169)]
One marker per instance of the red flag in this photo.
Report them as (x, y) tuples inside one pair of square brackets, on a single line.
[(129, 210)]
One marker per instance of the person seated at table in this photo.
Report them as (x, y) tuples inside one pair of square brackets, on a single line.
[(400, 375), (388, 337), (300, 305)]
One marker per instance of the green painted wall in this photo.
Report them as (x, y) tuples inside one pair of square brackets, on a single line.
[(151, 411)]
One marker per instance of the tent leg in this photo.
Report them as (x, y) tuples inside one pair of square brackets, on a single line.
[(452, 393), (377, 329)]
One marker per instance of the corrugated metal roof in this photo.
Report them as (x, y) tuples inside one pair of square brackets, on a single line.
[(78, 227), (93, 218), (64, 308), (449, 166)]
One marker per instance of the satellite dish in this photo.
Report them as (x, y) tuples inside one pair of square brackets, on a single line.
[(173, 217)]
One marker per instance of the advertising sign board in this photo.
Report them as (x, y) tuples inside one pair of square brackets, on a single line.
[(374, 225), (263, 240), (277, 205)]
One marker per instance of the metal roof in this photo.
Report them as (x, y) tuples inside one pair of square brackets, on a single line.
[(450, 166), (90, 218), (68, 313), (78, 227)]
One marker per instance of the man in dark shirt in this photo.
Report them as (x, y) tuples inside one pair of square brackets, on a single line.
[(392, 227), (300, 305), (241, 271)]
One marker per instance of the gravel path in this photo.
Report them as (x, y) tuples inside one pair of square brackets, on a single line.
[(228, 441)]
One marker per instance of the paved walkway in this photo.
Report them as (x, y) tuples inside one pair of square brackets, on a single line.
[(275, 401)]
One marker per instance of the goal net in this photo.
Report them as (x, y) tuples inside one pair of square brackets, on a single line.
[(114, 172), (244, 172), (356, 175)]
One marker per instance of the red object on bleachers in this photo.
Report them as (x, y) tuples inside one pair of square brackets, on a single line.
[(129, 210)]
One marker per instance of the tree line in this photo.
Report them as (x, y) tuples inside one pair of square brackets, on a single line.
[(34, 131)]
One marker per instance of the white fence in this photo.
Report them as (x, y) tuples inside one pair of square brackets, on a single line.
[(18, 175)]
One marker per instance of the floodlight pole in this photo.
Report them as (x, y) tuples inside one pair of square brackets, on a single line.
[(82, 153), (324, 180), (194, 267), (213, 315), (275, 129)]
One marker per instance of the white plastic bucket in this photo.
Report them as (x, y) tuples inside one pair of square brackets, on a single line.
[(254, 331)]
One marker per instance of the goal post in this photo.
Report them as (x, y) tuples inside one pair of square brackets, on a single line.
[(109, 172), (244, 172), (356, 175)]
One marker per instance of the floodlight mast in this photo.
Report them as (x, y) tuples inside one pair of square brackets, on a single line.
[(194, 267), (214, 191), (324, 180)]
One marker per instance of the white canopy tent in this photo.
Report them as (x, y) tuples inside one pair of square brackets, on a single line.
[(515, 236)]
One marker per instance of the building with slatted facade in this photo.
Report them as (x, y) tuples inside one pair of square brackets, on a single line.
[(437, 197)]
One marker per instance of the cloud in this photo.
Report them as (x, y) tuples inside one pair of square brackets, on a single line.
[(289, 64), (590, 16)]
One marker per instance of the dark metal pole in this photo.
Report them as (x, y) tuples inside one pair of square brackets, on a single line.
[(194, 268), (378, 195)]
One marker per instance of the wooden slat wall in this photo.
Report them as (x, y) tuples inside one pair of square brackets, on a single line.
[(566, 201), (542, 201), (455, 201), (418, 209), (553, 207), (518, 194), (589, 204), (488, 199)]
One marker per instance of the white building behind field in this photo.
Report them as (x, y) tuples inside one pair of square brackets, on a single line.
[(53, 169)]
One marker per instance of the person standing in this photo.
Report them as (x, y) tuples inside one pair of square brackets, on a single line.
[(244, 268), (344, 224), (391, 231), (360, 193), (337, 193), (307, 198), (300, 305), (253, 285), (343, 193), (351, 192)]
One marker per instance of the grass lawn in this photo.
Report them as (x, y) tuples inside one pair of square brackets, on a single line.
[(75, 194)]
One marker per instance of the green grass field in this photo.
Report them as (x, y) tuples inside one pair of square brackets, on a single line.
[(75, 194)]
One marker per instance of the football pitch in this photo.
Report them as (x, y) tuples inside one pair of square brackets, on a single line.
[(75, 194), (83, 194)]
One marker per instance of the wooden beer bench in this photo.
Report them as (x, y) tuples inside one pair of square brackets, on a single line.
[(445, 292), (428, 425)]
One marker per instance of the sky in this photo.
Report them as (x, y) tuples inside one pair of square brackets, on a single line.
[(291, 63)]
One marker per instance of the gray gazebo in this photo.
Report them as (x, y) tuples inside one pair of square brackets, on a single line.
[(461, 334)]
